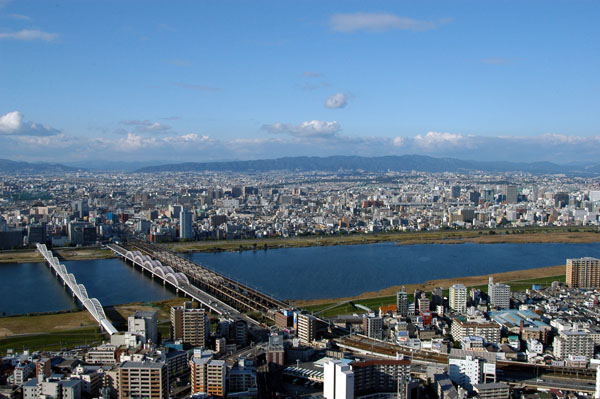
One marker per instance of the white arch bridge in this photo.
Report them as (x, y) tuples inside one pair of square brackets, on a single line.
[(91, 304), (178, 280)]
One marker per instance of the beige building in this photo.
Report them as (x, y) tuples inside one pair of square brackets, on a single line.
[(489, 330), (583, 273), (307, 328), (189, 325), (143, 380), (208, 375)]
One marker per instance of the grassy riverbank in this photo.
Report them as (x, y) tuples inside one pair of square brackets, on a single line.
[(31, 255), (530, 235), (69, 329), (518, 280), (573, 235)]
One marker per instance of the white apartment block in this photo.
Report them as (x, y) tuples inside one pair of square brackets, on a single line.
[(458, 298), (573, 343), (338, 380)]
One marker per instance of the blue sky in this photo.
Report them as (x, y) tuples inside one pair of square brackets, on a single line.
[(210, 80)]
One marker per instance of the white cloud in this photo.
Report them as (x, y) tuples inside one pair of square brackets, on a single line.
[(191, 138), (437, 139), (29, 35), (378, 22), (308, 129), (399, 141), (135, 142), (12, 123), (19, 17), (338, 100), (146, 126)]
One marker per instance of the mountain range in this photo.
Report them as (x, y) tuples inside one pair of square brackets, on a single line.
[(419, 163), (8, 166)]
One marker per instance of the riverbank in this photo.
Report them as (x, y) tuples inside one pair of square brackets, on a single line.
[(538, 235), (65, 321), (32, 256), (520, 278)]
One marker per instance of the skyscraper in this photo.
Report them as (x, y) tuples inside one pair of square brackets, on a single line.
[(458, 298), (499, 294), (186, 231), (402, 302)]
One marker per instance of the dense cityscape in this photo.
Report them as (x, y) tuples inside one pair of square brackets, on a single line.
[(92, 208), (226, 340)]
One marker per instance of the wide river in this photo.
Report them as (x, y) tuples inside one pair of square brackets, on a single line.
[(289, 273)]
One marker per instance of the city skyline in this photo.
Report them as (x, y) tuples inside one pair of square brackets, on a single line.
[(221, 81)]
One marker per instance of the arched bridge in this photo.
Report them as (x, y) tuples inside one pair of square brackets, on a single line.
[(91, 304), (177, 279)]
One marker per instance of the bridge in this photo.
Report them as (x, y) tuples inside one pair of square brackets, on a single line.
[(78, 290), (178, 280), (217, 287)]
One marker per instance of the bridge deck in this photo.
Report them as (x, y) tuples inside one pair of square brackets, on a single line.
[(79, 291)]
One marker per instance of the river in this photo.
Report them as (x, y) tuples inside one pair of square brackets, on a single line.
[(288, 273)]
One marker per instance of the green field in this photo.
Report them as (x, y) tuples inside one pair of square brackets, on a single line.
[(53, 341), (375, 303)]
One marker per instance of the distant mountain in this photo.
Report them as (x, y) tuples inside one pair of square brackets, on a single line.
[(8, 166), (420, 163), (113, 166)]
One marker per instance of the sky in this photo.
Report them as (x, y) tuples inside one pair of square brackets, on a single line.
[(175, 81)]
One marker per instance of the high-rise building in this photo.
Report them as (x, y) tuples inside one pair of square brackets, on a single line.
[(379, 376), (189, 325), (457, 300), (144, 324), (207, 374), (499, 294), (373, 327), (402, 302), (512, 194), (186, 230), (338, 380), (472, 369), (143, 380), (583, 273), (455, 191), (307, 328)]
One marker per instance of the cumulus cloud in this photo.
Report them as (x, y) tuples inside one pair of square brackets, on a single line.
[(308, 129), (438, 139), (12, 123), (378, 22), (29, 35), (338, 100), (191, 138)]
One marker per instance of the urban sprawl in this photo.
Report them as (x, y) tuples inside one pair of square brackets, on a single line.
[(227, 341)]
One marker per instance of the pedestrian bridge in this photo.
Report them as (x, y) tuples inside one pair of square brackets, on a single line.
[(91, 304)]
